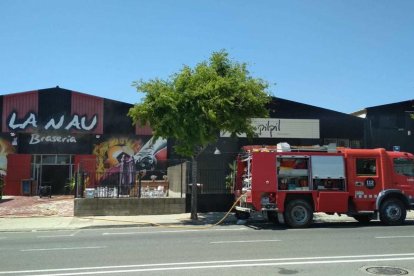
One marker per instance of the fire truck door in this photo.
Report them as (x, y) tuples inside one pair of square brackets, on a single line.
[(366, 181), (328, 178)]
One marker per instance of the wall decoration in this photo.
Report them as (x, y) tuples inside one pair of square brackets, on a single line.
[(5, 149), (119, 159)]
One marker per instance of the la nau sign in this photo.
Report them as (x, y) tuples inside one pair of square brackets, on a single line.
[(62, 123), (31, 121)]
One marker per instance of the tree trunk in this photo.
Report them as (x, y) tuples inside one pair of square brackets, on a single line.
[(194, 188)]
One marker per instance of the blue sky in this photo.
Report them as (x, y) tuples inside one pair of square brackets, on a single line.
[(341, 55)]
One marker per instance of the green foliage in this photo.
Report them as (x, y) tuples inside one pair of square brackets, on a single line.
[(70, 184), (231, 176), (195, 104)]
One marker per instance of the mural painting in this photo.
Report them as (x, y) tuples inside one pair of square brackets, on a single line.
[(120, 161), (5, 149)]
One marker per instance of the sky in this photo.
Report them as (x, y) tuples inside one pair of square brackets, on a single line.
[(340, 55)]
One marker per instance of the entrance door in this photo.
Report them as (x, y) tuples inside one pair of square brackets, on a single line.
[(55, 176), (53, 170)]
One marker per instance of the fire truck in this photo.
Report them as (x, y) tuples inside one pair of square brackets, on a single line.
[(290, 184)]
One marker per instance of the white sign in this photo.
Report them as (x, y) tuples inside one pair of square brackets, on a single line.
[(283, 128)]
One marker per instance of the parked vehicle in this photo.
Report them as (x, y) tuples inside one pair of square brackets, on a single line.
[(290, 184)]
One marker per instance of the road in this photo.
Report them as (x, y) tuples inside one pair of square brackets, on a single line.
[(258, 249)]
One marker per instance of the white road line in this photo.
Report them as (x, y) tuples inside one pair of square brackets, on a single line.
[(394, 237), (222, 264), (246, 241), (227, 266), (171, 231), (60, 236), (61, 248), (55, 236)]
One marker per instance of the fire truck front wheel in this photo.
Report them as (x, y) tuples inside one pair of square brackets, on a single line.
[(392, 212), (298, 213)]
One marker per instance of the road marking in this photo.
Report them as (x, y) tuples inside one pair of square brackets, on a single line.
[(246, 241), (217, 264), (394, 237), (171, 231), (61, 248), (55, 236), (225, 266), (59, 236)]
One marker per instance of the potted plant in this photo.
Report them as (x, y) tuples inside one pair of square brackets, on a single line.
[(70, 185), (229, 180)]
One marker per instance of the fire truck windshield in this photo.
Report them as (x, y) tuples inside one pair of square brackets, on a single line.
[(404, 166)]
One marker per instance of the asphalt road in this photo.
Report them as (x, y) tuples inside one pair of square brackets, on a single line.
[(260, 249)]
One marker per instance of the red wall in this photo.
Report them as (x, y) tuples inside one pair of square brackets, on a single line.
[(22, 103), (18, 168), (83, 104)]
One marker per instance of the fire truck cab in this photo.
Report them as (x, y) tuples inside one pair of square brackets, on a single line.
[(290, 184)]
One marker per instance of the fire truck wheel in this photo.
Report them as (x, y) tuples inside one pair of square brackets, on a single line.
[(392, 212), (298, 213)]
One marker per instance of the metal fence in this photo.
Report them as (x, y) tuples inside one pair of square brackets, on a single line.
[(173, 181)]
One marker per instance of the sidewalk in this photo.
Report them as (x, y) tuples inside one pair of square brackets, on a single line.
[(41, 214)]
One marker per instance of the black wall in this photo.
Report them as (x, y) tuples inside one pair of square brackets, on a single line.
[(391, 125), (116, 119), (53, 103)]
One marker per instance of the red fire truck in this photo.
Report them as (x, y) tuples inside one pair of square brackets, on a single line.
[(289, 184)]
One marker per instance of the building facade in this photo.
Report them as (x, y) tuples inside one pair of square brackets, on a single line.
[(390, 126), (49, 134)]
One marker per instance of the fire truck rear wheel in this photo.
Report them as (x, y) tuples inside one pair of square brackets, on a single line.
[(392, 212), (298, 213)]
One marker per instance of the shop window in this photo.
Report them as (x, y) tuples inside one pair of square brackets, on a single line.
[(49, 159), (366, 166), (36, 159), (63, 159)]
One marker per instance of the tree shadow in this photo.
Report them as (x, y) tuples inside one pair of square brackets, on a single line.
[(5, 200)]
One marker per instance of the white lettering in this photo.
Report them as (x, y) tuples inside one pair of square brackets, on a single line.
[(77, 122), (31, 120), (91, 126), (36, 139), (74, 123), (52, 123)]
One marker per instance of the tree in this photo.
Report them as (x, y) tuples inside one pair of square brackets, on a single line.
[(195, 104)]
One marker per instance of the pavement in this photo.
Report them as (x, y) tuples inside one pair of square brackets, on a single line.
[(22, 213)]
